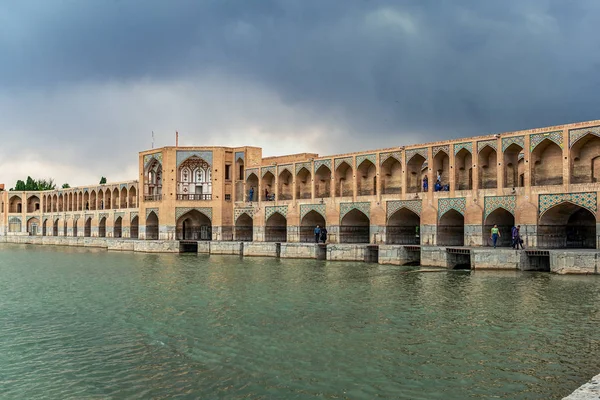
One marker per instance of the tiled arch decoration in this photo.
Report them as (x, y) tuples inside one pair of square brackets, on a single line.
[(132, 215), (239, 155), (492, 143), (264, 170), (242, 210), (415, 206), (383, 157), (149, 210), (457, 203), (347, 160), (179, 211), (76, 217), (184, 155), (14, 220), (576, 134), (518, 140), (364, 207), (413, 152), (464, 145), (30, 218), (148, 158), (306, 208), (445, 148), (306, 165), (282, 168), (119, 214), (587, 200), (363, 157), (492, 203), (270, 210), (319, 163), (556, 137), (251, 171)]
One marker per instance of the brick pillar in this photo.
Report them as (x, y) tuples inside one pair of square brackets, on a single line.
[(500, 166), (566, 167)]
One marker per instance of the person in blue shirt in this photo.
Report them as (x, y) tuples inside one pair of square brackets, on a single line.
[(317, 234), (251, 194)]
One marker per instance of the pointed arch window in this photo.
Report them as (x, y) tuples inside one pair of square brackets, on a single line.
[(194, 180)]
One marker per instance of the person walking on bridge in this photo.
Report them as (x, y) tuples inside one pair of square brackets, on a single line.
[(495, 234)]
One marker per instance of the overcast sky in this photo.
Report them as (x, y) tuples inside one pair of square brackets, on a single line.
[(83, 83)]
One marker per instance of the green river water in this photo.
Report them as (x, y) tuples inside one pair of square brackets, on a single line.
[(92, 324)]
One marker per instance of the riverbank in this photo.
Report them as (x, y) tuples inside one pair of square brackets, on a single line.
[(588, 391), (584, 262)]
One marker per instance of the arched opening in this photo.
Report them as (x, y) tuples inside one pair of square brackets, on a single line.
[(244, 228), (505, 221), (80, 202), (70, 202), (239, 178), (343, 180), (585, 163), (55, 203), (107, 200), (286, 185), (354, 227), (239, 167), (193, 225), (416, 171), (65, 229), (87, 228), (123, 197), (14, 205), (276, 228), (153, 180), (546, 164), (134, 228), (14, 224), (194, 179), (32, 226), (367, 179), (152, 226), (118, 228), (93, 200), (75, 230), (55, 228), (514, 166), (115, 199), (441, 169), (61, 203), (33, 204), (102, 227), (451, 229), (132, 197), (391, 176), (403, 227), (44, 228), (86, 201), (303, 183), (488, 178), (267, 186), (308, 224), (252, 187), (101, 200), (567, 225), (323, 182)]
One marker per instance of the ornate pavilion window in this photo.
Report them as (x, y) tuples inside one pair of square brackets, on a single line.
[(194, 180), (153, 181)]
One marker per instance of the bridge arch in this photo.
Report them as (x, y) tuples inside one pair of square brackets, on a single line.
[(355, 227), (403, 227), (567, 225), (545, 158), (308, 224), (585, 159), (505, 220), (451, 229), (194, 225), (244, 228), (276, 228)]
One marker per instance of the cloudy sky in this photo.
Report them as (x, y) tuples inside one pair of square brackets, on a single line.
[(83, 83)]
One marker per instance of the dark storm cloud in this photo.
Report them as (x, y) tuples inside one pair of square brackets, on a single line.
[(385, 70)]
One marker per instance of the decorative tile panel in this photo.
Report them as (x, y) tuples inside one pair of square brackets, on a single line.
[(586, 200), (239, 155), (237, 212), (445, 148), (319, 163), (492, 203), (91, 216), (119, 214), (264, 170), (458, 203), (306, 165), (391, 154), (76, 217), (149, 210), (102, 215), (306, 208), (179, 211), (413, 152), (122, 185), (521, 156), (394, 205), (14, 220), (364, 207), (251, 171), (556, 137), (576, 134), (132, 215), (270, 210), (363, 157), (518, 140), (184, 155), (492, 143), (149, 157), (281, 168), (339, 161)]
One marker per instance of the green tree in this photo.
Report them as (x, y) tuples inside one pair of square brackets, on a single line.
[(34, 184), (66, 186), (102, 180)]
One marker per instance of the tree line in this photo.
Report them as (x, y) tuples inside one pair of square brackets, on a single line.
[(31, 184)]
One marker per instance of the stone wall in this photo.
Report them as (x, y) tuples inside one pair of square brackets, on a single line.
[(574, 262), (261, 249), (495, 259), (227, 248), (433, 256), (397, 255), (346, 252), (303, 250)]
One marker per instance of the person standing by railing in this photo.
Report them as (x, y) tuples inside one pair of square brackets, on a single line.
[(317, 234), (495, 234)]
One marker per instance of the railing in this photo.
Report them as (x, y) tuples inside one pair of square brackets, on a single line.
[(566, 237), (275, 234), (152, 197), (201, 197), (195, 233), (402, 235), (354, 234)]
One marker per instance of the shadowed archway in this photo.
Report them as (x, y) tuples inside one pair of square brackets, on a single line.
[(451, 229), (567, 225), (355, 227), (403, 227)]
